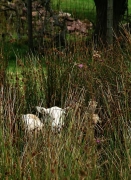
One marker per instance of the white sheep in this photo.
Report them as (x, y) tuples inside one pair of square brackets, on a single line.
[(32, 122), (54, 115)]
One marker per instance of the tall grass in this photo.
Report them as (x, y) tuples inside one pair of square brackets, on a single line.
[(81, 150), (69, 78)]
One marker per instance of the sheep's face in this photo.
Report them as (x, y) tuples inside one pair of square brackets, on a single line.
[(42, 110)]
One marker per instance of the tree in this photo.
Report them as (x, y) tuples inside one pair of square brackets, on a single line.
[(109, 33), (30, 33), (119, 8)]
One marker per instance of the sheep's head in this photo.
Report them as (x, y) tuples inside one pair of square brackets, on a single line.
[(54, 114), (44, 112)]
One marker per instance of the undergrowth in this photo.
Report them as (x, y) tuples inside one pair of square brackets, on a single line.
[(82, 150)]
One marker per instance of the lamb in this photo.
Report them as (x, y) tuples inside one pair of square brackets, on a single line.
[(54, 115), (32, 122)]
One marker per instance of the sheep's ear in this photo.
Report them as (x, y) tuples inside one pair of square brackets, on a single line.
[(41, 110)]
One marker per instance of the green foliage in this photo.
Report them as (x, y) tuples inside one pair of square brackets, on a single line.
[(79, 9), (63, 79), (66, 78)]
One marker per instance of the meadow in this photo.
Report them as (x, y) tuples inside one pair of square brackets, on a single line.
[(80, 9), (82, 150)]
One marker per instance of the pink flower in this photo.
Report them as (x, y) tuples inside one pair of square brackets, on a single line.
[(98, 140), (80, 65)]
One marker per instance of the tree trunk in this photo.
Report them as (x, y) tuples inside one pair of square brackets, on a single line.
[(30, 34), (101, 19), (119, 8), (109, 33)]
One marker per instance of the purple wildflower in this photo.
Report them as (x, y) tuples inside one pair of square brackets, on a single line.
[(98, 140), (80, 65)]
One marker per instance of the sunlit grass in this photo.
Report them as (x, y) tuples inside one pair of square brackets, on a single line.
[(80, 9)]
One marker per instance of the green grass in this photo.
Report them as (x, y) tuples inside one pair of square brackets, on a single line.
[(79, 9), (79, 151), (76, 153), (129, 6)]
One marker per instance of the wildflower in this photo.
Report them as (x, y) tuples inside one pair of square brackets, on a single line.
[(95, 118), (98, 141), (80, 65), (96, 55)]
